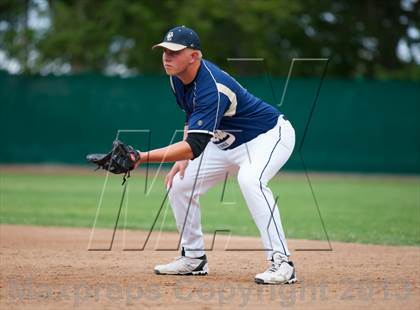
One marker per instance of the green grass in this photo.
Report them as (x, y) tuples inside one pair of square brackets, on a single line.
[(355, 209)]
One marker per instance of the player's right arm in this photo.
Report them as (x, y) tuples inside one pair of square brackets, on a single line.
[(179, 166)]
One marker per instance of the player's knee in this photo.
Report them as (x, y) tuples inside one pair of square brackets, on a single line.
[(248, 180), (175, 188), (179, 186)]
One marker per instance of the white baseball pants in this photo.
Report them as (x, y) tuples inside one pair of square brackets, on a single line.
[(254, 164)]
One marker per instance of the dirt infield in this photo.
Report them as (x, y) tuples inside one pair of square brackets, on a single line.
[(51, 268)]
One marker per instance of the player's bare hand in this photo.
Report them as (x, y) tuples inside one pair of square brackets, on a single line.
[(178, 167)]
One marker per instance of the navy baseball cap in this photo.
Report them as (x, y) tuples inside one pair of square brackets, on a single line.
[(179, 38)]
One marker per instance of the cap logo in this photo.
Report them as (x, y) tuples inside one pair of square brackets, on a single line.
[(169, 36)]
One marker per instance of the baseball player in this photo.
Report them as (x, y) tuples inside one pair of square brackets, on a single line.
[(227, 129)]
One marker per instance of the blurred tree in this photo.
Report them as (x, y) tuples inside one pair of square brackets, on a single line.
[(361, 38), (16, 38), (107, 36)]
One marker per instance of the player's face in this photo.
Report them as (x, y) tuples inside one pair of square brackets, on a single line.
[(176, 62)]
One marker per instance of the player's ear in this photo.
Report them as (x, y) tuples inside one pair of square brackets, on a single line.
[(194, 56)]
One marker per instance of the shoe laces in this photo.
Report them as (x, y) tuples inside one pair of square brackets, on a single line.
[(184, 260), (275, 266), (180, 258)]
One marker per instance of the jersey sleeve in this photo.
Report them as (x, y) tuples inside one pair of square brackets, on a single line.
[(209, 107)]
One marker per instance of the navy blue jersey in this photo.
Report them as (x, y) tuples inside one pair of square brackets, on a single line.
[(216, 104)]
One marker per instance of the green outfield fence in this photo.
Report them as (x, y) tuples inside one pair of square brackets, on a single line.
[(356, 125)]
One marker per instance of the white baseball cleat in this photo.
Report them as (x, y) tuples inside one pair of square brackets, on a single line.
[(281, 271), (183, 265)]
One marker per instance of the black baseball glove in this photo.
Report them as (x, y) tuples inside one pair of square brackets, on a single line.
[(121, 159)]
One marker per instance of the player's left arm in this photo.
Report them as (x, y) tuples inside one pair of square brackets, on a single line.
[(190, 148), (174, 152)]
